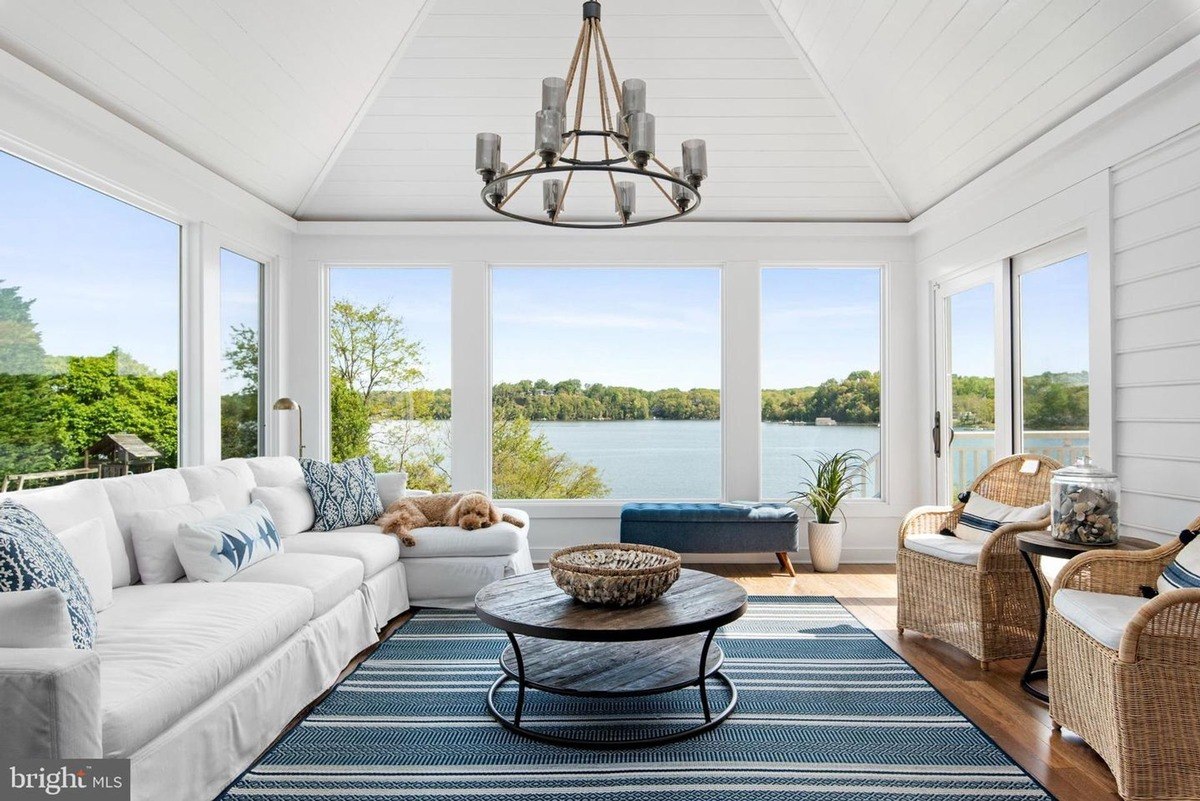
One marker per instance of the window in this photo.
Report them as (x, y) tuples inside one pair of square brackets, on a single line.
[(821, 354), (1052, 304), (607, 383), (241, 354), (89, 322), (389, 370), (972, 358)]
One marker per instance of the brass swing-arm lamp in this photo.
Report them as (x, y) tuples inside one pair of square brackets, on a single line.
[(287, 405)]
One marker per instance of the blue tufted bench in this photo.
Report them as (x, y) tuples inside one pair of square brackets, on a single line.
[(714, 528)]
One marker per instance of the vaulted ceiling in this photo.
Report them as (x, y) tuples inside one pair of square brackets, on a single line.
[(813, 109)]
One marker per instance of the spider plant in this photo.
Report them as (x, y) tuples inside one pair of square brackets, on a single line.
[(831, 479)]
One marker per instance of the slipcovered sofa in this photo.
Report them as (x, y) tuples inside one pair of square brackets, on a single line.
[(191, 681)]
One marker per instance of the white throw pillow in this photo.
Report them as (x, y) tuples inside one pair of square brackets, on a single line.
[(391, 487), (290, 505), (35, 619), (87, 546), (218, 548), (980, 517), (1184, 572), (154, 531)]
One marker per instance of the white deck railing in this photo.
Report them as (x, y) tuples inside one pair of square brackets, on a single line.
[(972, 451)]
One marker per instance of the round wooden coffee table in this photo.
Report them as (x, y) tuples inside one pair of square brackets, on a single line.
[(1039, 543), (559, 645)]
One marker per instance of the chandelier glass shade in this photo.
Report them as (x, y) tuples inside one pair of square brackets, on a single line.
[(592, 127)]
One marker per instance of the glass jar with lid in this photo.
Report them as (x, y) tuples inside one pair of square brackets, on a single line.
[(1085, 503)]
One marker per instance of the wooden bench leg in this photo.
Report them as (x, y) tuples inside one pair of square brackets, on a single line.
[(785, 562)]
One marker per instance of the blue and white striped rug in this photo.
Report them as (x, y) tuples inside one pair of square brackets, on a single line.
[(826, 711)]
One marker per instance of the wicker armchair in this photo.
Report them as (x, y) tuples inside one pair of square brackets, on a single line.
[(1138, 706), (989, 609)]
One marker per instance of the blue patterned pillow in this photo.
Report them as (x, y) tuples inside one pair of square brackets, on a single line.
[(217, 548), (32, 558), (343, 495)]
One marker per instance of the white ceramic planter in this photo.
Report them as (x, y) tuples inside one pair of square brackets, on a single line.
[(825, 545)]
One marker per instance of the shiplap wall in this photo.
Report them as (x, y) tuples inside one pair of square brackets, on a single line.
[(1156, 312)]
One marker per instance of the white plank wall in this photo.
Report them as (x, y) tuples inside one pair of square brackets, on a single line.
[(1156, 311)]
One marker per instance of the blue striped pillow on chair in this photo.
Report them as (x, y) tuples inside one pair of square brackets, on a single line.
[(1184, 572), (980, 517)]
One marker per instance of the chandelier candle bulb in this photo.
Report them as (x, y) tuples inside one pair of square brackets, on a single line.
[(641, 138), (487, 155), (626, 200), (554, 95), (548, 135), (500, 191), (552, 192), (680, 193), (695, 161), (633, 98)]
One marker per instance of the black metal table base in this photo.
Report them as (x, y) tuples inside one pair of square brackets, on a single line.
[(1032, 671), (513, 724)]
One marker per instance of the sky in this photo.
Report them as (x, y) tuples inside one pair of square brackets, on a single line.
[(240, 284), (103, 273)]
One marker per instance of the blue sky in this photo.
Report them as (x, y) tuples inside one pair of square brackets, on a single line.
[(240, 279), (104, 274)]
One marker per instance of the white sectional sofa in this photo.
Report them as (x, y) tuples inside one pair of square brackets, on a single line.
[(191, 681)]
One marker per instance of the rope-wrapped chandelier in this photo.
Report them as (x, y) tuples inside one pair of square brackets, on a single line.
[(626, 132)]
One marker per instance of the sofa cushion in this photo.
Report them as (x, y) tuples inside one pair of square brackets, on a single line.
[(1101, 615), (952, 549), (343, 494), (86, 545), (274, 471), (34, 619), (374, 549), (166, 648), (330, 579), (71, 504), (502, 539), (154, 532), (32, 558), (218, 548), (132, 494), (231, 481), (392, 487), (290, 506)]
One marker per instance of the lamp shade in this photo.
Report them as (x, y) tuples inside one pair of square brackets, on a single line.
[(285, 405)]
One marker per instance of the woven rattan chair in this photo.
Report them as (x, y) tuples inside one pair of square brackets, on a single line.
[(1138, 706), (989, 609)]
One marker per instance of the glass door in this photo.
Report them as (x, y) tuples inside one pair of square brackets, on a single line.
[(970, 428)]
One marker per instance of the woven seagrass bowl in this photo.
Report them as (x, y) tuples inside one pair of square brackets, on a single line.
[(611, 574)]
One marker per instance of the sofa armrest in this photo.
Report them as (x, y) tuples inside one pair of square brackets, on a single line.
[(50, 704)]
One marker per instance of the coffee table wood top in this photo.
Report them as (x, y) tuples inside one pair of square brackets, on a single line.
[(534, 605), (1045, 545)]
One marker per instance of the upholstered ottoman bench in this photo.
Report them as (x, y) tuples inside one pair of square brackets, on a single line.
[(714, 528)]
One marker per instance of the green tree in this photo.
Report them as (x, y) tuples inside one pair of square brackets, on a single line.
[(349, 423), (30, 429), (368, 349), (524, 465), (240, 409)]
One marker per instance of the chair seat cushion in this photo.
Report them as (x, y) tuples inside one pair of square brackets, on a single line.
[(166, 648), (951, 549), (330, 579), (708, 512), (1101, 615), (367, 544)]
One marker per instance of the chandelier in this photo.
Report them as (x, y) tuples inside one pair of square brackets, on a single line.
[(623, 135)]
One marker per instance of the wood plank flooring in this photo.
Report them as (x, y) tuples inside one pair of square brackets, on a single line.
[(992, 699)]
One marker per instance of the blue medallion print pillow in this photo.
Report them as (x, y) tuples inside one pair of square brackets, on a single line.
[(32, 558), (343, 495)]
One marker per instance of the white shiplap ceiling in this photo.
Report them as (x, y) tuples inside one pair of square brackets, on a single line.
[(813, 109)]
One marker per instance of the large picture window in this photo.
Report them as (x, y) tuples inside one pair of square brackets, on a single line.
[(389, 370), (820, 371), (89, 324), (606, 383), (241, 353)]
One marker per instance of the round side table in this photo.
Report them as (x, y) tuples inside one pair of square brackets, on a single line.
[(1038, 543)]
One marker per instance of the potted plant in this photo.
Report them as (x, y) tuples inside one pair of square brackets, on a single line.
[(831, 479)]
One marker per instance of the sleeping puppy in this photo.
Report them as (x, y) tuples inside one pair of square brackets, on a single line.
[(466, 510)]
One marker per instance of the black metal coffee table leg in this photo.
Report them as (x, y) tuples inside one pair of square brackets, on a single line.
[(1032, 671), (520, 677), (704, 676)]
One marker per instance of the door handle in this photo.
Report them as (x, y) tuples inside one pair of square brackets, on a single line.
[(937, 435)]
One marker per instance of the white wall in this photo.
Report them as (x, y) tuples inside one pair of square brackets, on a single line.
[(468, 249), (1091, 174), (45, 123)]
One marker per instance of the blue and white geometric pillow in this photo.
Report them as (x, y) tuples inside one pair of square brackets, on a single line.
[(217, 548), (343, 495), (980, 517), (1184, 572), (32, 558)]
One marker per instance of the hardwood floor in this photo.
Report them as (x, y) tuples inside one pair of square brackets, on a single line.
[(992, 699)]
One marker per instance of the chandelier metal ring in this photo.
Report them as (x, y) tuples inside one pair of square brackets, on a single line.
[(625, 130), (489, 189)]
